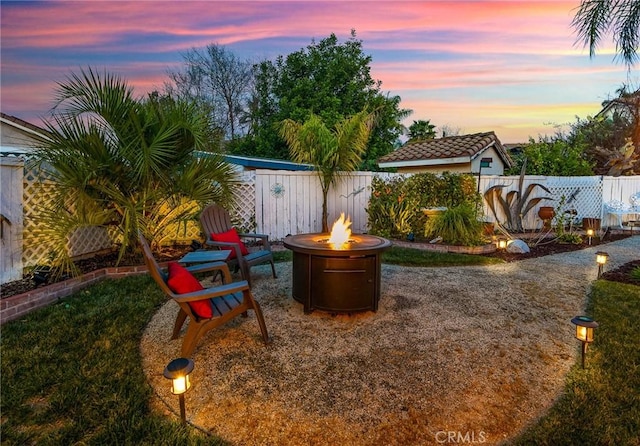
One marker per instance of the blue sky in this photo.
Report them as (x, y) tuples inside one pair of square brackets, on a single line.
[(508, 66)]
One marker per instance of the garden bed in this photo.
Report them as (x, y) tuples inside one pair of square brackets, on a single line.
[(86, 266)]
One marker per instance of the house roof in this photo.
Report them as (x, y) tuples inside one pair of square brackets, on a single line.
[(265, 163), (251, 163), (618, 104), (452, 149), (23, 125)]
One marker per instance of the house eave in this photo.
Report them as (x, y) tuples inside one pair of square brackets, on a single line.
[(24, 129), (427, 162)]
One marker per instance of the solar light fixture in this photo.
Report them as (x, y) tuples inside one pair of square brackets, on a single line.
[(601, 259), (584, 332), (501, 244), (590, 233), (178, 372)]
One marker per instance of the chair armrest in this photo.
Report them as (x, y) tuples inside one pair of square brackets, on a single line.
[(212, 266), (234, 246), (215, 291), (263, 237)]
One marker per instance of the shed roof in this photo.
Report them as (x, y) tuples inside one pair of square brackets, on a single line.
[(457, 149)]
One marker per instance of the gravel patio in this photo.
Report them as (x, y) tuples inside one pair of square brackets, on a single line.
[(479, 350)]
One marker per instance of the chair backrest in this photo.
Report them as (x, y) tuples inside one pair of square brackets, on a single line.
[(216, 219), (154, 269)]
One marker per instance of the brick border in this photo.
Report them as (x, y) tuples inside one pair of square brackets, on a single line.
[(13, 307)]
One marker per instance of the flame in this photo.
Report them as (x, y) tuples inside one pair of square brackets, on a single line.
[(340, 233)]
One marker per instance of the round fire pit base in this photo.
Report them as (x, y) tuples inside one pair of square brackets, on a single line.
[(336, 280)]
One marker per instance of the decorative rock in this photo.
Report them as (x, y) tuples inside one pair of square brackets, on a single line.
[(518, 247)]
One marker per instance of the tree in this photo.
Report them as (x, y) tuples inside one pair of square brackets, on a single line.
[(612, 138), (597, 18), (217, 77), (553, 156), (331, 80), (330, 151), (126, 162), (421, 130)]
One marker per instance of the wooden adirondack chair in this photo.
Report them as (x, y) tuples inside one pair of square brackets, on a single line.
[(227, 301), (216, 220)]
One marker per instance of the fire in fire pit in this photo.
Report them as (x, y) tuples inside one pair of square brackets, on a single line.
[(337, 272)]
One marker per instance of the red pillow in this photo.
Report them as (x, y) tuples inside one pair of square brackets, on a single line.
[(181, 281), (230, 236)]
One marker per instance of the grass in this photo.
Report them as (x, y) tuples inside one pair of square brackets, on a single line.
[(420, 257), (416, 257), (600, 404), (71, 373)]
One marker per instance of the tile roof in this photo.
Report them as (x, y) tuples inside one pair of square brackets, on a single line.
[(448, 147)]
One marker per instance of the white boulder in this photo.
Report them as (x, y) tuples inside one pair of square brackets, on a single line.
[(518, 247)]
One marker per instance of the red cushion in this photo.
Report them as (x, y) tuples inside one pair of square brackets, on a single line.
[(181, 281), (230, 236)]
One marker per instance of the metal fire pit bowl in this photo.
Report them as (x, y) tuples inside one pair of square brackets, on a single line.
[(336, 280)]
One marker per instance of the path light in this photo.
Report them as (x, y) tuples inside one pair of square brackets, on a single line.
[(502, 244), (584, 332), (601, 259), (590, 233), (178, 372)]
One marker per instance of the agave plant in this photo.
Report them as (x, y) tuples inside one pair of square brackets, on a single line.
[(517, 203)]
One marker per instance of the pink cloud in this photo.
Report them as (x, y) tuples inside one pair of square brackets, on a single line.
[(455, 47)]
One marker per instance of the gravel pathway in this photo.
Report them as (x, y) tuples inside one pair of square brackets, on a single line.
[(479, 351)]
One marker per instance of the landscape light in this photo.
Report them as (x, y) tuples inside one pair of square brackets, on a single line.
[(584, 332), (502, 244), (601, 259), (178, 372), (590, 233)]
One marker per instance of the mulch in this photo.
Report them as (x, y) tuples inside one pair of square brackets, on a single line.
[(84, 266)]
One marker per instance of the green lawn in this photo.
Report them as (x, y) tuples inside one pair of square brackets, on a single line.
[(601, 404), (71, 374)]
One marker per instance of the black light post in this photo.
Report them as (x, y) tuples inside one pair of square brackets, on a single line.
[(178, 372), (601, 259), (584, 332)]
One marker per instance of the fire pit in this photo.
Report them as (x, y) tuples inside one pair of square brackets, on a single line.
[(340, 276)]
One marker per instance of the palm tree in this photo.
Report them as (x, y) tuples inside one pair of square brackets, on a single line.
[(596, 18), (125, 162), (421, 129), (329, 151)]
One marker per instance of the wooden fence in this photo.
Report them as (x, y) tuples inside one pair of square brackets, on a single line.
[(11, 218), (291, 202), (279, 203)]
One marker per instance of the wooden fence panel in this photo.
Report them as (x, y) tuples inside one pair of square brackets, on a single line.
[(11, 220)]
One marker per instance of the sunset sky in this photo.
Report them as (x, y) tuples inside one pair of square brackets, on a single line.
[(508, 66)]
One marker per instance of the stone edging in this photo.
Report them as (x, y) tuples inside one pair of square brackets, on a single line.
[(16, 306)]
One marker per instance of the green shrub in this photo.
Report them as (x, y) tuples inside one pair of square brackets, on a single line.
[(635, 273), (458, 225), (395, 205)]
